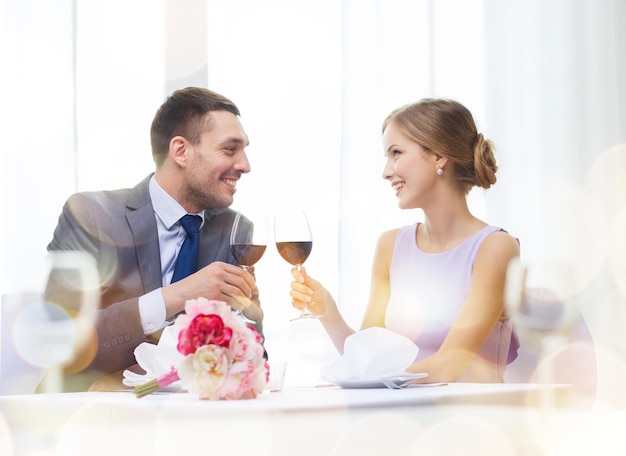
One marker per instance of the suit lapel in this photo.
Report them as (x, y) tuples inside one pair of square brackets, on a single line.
[(140, 217)]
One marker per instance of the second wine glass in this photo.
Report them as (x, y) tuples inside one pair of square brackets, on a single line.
[(542, 301), (294, 243), (248, 241)]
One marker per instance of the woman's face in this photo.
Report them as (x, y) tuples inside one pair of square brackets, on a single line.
[(409, 168)]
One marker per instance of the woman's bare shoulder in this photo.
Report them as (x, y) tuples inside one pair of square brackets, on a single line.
[(500, 243), (387, 240)]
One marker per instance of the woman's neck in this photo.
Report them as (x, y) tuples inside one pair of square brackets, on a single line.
[(445, 227)]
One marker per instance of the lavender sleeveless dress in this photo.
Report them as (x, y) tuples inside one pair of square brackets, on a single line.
[(427, 292)]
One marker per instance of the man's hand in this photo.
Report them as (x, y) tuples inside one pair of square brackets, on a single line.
[(219, 281)]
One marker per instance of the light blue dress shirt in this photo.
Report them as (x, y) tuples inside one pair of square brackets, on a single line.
[(167, 213)]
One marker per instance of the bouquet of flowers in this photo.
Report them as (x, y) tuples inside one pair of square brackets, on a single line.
[(223, 356)]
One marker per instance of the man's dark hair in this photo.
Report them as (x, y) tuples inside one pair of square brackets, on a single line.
[(184, 113)]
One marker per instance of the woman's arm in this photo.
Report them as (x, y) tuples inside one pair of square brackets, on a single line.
[(307, 291), (379, 288), (480, 312)]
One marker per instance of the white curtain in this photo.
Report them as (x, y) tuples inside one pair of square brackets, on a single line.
[(80, 86), (545, 79), (556, 107), (38, 162)]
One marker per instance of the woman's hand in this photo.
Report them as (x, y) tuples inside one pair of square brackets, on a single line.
[(308, 292)]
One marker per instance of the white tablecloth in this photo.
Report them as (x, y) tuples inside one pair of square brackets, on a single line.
[(483, 419)]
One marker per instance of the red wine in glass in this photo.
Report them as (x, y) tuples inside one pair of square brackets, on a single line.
[(248, 241), (294, 243), (247, 254), (295, 252)]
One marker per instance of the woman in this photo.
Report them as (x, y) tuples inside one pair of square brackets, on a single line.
[(439, 282)]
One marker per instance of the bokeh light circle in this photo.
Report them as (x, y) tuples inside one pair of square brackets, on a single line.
[(44, 334)]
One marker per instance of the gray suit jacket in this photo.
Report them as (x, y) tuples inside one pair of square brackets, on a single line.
[(119, 229)]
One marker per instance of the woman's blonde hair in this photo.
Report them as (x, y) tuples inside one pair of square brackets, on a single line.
[(447, 128)]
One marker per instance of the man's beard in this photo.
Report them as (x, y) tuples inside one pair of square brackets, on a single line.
[(204, 199)]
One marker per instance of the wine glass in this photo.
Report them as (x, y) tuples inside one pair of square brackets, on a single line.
[(55, 330), (542, 301), (248, 241), (294, 243)]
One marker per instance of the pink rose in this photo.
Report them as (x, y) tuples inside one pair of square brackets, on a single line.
[(199, 306), (244, 345), (203, 330), (256, 379), (241, 382)]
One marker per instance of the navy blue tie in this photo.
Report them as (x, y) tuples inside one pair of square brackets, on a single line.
[(187, 261)]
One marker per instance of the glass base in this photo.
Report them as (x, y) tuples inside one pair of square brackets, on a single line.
[(306, 316), (240, 314)]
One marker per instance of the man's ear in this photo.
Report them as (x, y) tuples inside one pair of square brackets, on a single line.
[(178, 150)]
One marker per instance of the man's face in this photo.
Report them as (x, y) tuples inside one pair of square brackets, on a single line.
[(215, 164)]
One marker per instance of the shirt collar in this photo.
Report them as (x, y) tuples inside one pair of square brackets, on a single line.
[(166, 207)]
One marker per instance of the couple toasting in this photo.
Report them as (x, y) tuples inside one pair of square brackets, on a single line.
[(439, 282)]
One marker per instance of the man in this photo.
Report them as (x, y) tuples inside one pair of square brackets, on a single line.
[(135, 235)]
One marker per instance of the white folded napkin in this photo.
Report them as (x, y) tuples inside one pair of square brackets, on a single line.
[(156, 360), (373, 353)]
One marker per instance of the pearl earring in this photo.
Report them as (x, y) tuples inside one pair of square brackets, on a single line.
[(439, 171)]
